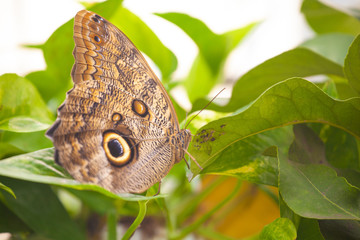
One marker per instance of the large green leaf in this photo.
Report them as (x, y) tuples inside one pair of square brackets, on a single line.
[(213, 51), (352, 64), (22, 108), (11, 223), (299, 62), (40, 167), (145, 40), (290, 102), (327, 196), (324, 19), (281, 228), (37, 206)]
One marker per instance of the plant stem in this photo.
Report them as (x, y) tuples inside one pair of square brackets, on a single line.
[(190, 205), (137, 221), (111, 225), (206, 216)]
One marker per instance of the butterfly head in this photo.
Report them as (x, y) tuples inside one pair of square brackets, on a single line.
[(182, 140)]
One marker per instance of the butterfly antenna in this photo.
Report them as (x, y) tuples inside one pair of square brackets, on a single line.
[(204, 107)]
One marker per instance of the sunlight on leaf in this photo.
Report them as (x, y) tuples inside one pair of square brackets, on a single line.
[(22, 108), (299, 62), (281, 228), (324, 19), (352, 64), (333, 46), (6, 188)]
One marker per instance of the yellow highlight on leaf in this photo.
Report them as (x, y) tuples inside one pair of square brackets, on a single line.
[(244, 169)]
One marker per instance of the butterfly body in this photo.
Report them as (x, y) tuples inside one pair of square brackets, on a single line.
[(117, 127)]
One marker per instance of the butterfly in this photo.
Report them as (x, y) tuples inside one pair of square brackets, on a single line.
[(117, 127)]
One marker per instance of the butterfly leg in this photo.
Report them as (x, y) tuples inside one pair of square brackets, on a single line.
[(193, 159), (187, 164), (158, 191)]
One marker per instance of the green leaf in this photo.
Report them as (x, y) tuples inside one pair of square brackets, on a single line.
[(200, 79), (330, 199), (145, 40), (324, 19), (307, 146), (22, 108), (281, 228), (6, 188), (100, 203), (213, 51), (340, 148), (299, 62), (309, 229), (333, 46), (8, 150), (26, 142), (11, 223), (352, 64), (213, 47), (290, 102), (40, 167), (253, 158), (32, 199)]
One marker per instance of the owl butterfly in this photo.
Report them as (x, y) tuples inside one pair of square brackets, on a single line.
[(117, 127)]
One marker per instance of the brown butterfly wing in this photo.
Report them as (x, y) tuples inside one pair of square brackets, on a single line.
[(117, 127)]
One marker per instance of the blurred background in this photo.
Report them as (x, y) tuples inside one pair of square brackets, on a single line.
[(32, 22)]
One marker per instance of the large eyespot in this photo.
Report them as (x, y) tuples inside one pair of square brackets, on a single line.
[(139, 107), (117, 149)]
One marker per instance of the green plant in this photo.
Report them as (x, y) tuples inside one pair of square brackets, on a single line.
[(277, 129)]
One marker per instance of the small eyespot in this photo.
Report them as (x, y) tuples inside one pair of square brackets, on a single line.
[(95, 19), (139, 107), (116, 117), (117, 149), (97, 39), (98, 17)]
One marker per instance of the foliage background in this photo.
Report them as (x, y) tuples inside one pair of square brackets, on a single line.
[(281, 142)]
